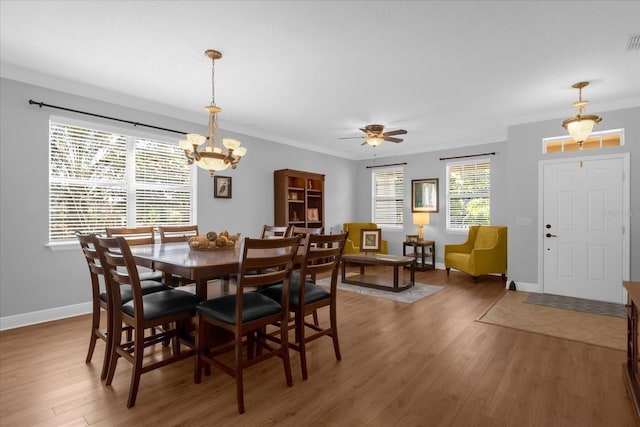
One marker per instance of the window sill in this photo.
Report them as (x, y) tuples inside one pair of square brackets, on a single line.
[(63, 246)]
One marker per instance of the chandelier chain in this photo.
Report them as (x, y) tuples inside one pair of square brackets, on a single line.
[(213, 86)]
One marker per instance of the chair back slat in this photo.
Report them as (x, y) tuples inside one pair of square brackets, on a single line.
[(177, 233), (266, 261), (275, 231), (134, 236), (120, 268)]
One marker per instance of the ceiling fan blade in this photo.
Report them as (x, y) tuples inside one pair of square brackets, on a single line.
[(392, 139), (395, 132), (364, 143), (352, 137)]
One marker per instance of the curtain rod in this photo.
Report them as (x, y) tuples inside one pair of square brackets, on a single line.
[(493, 153), (383, 166), (42, 104)]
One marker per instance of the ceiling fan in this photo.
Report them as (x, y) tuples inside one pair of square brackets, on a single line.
[(375, 135)]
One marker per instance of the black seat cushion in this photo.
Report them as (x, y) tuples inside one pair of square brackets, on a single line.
[(148, 287), (165, 303), (312, 292), (255, 306)]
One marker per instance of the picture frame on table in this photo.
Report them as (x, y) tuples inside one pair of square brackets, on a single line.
[(370, 239), (222, 187), (412, 238), (424, 195)]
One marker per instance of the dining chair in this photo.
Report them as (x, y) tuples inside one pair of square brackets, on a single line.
[(100, 296), (245, 314), (138, 236), (275, 231), (167, 314), (176, 233), (323, 254)]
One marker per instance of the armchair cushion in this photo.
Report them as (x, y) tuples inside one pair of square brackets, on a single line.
[(484, 252), (352, 245)]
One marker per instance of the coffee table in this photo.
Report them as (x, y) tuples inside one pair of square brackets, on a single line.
[(370, 281)]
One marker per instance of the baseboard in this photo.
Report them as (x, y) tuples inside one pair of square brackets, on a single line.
[(48, 315)]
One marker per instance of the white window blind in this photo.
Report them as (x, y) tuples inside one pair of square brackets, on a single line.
[(468, 194), (388, 197), (100, 179)]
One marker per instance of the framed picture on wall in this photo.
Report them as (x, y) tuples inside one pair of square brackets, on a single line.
[(424, 195), (370, 239), (221, 187)]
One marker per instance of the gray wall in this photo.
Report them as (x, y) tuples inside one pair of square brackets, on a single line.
[(35, 278), (523, 157), (429, 165)]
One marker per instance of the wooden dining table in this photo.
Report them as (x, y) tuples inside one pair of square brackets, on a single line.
[(200, 266), (197, 265)]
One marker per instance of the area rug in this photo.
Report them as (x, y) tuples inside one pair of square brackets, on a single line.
[(578, 304), (411, 295), (512, 311)]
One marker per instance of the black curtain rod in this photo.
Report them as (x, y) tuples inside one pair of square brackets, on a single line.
[(470, 155), (42, 104), (383, 166)]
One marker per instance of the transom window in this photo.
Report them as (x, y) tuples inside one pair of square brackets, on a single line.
[(100, 179), (597, 140), (468, 194), (388, 197)]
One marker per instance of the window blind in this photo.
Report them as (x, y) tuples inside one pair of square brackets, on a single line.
[(388, 188), (101, 179), (468, 194)]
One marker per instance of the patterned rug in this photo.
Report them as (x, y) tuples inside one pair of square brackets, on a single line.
[(578, 304), (411, 295)]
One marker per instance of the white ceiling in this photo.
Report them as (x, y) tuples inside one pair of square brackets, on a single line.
[(306, 73)]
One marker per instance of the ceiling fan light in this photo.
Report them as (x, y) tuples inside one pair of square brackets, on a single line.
[(374, 141)]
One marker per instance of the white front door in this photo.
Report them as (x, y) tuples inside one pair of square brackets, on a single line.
[(583, 228)]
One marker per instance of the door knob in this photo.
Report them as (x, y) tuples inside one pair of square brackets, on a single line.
[(551, 235)]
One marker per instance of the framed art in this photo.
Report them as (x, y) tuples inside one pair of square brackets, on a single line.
[(370, 239), (424, 195), (221, 187), (412, 238), (312, 214)]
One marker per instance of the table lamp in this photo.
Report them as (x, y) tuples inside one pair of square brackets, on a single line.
[(420, 219)]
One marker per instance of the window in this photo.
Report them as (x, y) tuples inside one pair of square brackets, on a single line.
[(468, 194), (597, 140), (388, 197), (100, 179)]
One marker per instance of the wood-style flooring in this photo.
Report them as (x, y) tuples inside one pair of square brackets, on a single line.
[(423, 364)]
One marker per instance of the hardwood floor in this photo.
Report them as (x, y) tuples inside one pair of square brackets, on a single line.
[(423, 364)]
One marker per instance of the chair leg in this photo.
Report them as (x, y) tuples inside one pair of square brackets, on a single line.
[(115, 342), (448, 270), (300, 340), (315, 318), (238, 372), (334, 331), (95, 327), (284, 348), (201, 330), (136, 371), (108, 346)]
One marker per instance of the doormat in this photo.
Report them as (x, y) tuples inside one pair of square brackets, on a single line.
[(511, 311), (578, 304), (411, 295)]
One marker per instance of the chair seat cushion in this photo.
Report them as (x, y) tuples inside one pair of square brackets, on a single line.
[(255, 306), (165, 303), (148, 287), (312, 292)]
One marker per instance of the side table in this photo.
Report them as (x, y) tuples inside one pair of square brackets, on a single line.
[(427, 248)]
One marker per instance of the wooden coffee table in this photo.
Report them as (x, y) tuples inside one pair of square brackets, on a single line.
[(369, 281)]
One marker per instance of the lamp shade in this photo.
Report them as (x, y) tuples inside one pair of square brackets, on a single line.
[(421, 218)]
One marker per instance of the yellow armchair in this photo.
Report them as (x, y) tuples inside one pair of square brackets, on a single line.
[(352, 245), (484, 252)]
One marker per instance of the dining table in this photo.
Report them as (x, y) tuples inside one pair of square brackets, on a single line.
[(179, 259), (200, 266)]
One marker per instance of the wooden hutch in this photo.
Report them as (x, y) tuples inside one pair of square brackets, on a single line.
[(298, 198)]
